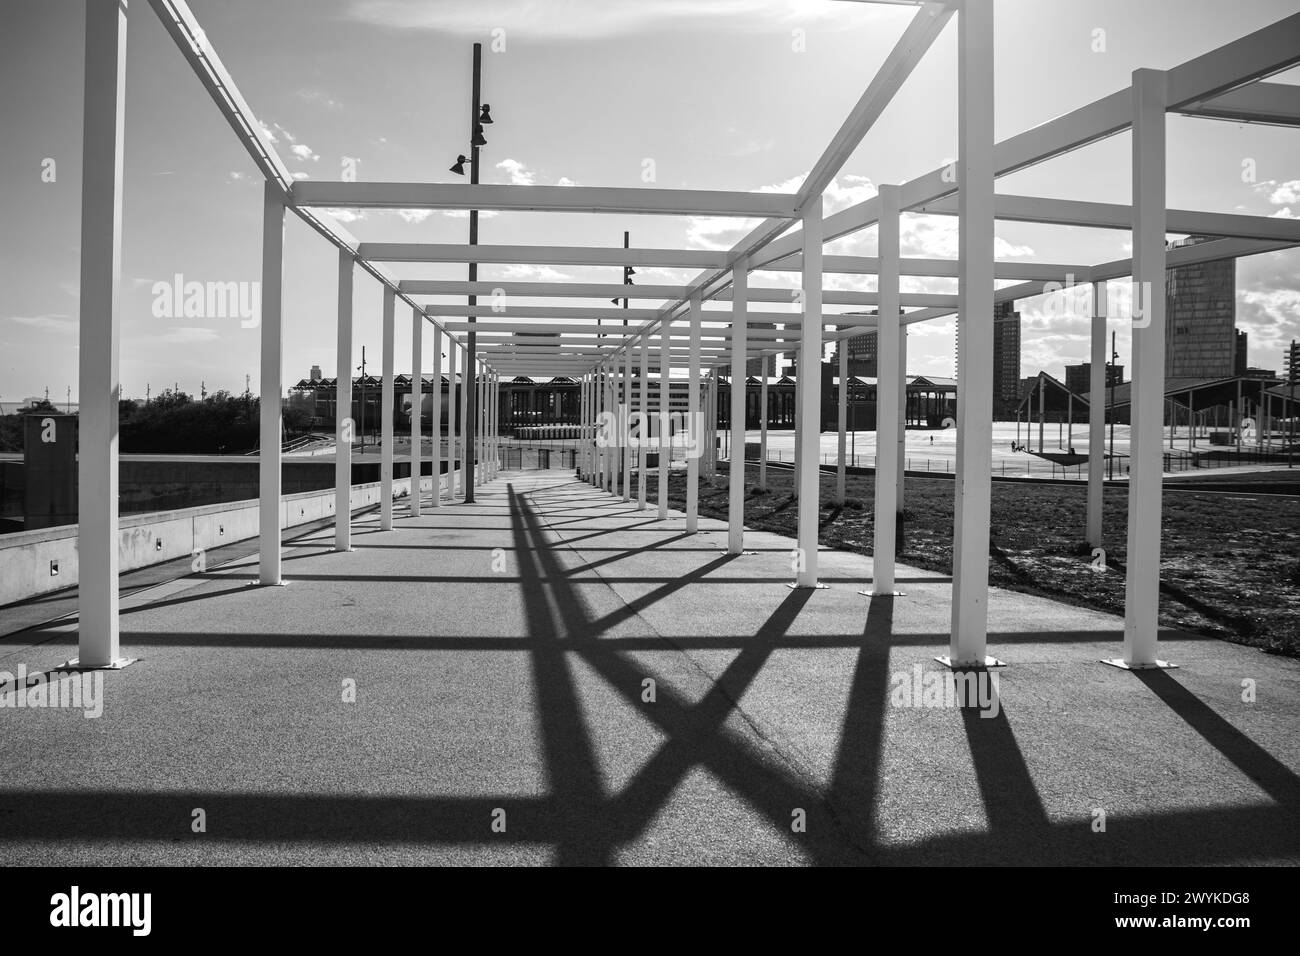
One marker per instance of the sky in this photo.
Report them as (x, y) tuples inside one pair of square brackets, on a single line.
[(715, 94)]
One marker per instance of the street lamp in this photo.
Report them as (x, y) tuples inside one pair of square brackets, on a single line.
[(480, 116)]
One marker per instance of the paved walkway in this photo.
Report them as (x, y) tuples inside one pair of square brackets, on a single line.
[(502, 654)]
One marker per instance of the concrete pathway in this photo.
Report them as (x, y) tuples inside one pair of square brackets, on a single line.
[(551, 676)]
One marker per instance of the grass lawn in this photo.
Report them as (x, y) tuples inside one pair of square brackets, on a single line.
[(1230, 566)]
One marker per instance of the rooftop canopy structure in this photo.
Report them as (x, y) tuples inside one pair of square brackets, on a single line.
[(705, 324)]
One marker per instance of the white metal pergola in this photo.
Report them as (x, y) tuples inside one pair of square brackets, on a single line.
[(681, 332)]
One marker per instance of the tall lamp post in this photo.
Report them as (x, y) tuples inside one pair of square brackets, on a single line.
[(478, 117)]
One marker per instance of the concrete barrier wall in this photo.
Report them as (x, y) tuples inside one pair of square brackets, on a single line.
[(153, 538)]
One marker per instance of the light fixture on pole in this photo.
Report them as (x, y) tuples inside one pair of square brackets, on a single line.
[(458, 167)]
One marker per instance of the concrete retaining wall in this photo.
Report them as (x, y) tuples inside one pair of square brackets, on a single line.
[(26, 558)]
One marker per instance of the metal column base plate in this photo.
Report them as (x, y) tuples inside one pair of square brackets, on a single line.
[(343, 550), (884, 593), (258, 583), (1125, 666), (796, 586), (989, 664), (116, 665)]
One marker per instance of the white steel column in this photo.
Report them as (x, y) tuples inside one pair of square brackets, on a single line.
[(695, 420), (970, 587), (613, 453), (1142, 585), (888, 336), (451, 417), (417, 400), (807, 479), (842, 418), (435, 418), (467, 373), (589, 428), (268, 512), (602, 450), (624, 423), (99, 337), (386, 418), (762, 435), (644, 431), (1097, 416), (344, 427), (665, 449), (739, 347)]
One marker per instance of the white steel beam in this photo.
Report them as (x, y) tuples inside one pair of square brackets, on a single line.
[(1097, 417), (270, 415), (435, 419), (452, 428), (580, 199), (929, 268), (417, 400), (694, 422), (975, 173), (665, 449), (542, 255), (386, 418), (1272, 104), (887, 405), (1098, 215), (809, 405), (736, 469), (624, 417), (499, 292), (99, 338), (343, 424), (1151, 91), (644, 432)]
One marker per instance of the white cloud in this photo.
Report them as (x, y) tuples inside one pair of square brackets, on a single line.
[(464, 213), (347, 215), (414, 215), (520, 175), (303, 151), (1284, 213), (1288, 192)]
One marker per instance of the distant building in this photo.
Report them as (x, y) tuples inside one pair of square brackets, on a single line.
[(1006, 359), (1243, 341), (1078, 378), (862, 354), (1201, 339)]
